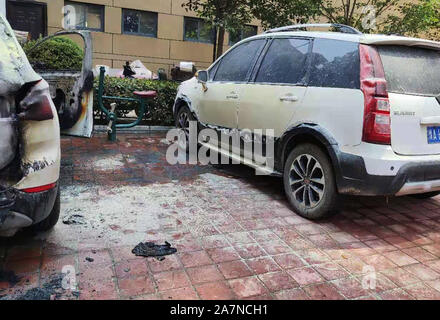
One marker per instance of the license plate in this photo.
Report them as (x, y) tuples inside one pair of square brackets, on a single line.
[(433, 135)]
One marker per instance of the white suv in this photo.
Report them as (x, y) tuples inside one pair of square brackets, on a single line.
[(351, 113)]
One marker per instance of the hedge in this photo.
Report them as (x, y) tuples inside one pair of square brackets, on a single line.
[(160, 111), (58, 53)]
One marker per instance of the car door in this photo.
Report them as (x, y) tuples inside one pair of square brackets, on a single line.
[(277, 88), (219, 103), (72, 91)]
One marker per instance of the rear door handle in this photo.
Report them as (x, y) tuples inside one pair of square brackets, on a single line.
[(289, 98)]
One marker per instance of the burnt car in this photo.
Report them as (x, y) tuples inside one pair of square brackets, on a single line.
[(71, 90), (29, 143)]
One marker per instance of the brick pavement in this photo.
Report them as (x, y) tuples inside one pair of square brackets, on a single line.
[(235, 235)]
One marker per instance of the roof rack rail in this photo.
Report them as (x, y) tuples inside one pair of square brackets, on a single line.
[(341, 27)]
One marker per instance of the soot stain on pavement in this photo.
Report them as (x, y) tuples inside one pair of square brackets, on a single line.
[(9, 276), (51, 290)]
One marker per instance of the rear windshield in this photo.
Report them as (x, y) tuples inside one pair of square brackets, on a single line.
[(411, 70)]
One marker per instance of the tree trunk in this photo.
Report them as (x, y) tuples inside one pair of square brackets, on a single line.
[(214, 51), (221, 39)]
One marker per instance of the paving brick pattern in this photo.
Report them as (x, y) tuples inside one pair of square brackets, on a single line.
[(235, 234)]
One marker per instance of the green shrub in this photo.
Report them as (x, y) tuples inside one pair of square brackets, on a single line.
[(160, 110), (59, 53)]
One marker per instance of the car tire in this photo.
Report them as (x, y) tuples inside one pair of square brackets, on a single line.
[(309, 182), (52, 219), (184, 115), (427, 195)]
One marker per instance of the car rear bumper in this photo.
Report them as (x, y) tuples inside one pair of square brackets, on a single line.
[(419, 187), (29, 209), (419, 178), (353, 177)]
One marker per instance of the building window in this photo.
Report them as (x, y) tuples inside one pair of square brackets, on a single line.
[(198, 30), (142, 23), (84, 16), (238, 35)]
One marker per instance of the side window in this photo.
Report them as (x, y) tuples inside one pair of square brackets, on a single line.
[(141, 23), (285, 62), (335, 64), (243, 33), (198, 30), (87, 16), (237, 64)]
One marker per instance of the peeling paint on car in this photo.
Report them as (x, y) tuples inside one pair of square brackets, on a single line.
[(35, 166)]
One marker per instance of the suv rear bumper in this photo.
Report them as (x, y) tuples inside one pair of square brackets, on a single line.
[(419, 187), (29, 209), (413, 177)]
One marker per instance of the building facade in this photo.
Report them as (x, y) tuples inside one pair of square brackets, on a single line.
[(160, 33)]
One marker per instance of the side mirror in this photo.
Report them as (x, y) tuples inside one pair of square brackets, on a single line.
[(202, 76)]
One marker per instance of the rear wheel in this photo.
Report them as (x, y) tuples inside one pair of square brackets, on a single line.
[(309, 182), (425, 195), (52, 219)]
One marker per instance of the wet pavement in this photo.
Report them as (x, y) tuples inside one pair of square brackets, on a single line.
[(235, 236)]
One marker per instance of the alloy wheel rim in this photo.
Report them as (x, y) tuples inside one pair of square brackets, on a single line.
[(184, 123), (307, 181)]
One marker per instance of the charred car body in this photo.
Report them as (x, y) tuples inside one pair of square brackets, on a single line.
[(29, 142), (72, 90)]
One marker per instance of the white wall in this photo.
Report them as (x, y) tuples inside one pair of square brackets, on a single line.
[(3, 7)]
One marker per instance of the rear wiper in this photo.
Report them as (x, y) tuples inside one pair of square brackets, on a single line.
[(438, 98)]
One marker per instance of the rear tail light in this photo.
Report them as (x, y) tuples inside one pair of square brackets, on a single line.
[(40, 188), (377, 120), (34, 102)]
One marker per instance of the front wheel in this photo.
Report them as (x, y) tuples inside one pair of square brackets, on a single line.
[(183, 119), (309, 182)]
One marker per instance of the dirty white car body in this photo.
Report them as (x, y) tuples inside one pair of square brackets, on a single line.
[(29, 142), (365, 106)]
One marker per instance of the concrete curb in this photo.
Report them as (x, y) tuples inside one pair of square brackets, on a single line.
[(140, 129)]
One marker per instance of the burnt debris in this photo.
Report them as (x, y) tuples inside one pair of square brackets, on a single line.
[(150, 249), (74, 219)]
